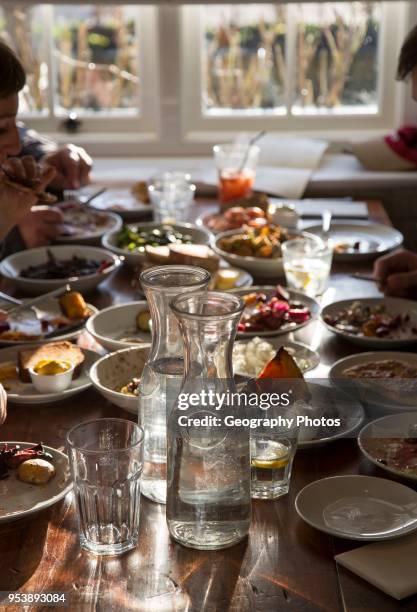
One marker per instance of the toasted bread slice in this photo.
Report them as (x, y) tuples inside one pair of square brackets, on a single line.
[(61, 351), (157, 255), (194, 255), (8, 370)]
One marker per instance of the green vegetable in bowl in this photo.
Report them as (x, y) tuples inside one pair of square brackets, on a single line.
[(135, 239)]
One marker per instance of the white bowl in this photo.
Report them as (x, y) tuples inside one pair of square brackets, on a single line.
[(265, 267), (115, 370), (109, 240), (115, 322), (12, 266), (51, 383)]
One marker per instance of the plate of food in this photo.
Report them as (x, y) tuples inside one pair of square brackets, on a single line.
[(121, 326), (62, 318), (25, 370), (360, 240), (385, 381), (390, 443), (129, 202), (117, 375), (272, 311), (81, 225), (377, 323), (362, 508), (250, 356), (233, 218), (43, 269), (32, 478), (256, 250), (134, 239)]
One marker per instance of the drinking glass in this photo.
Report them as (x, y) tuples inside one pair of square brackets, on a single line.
[(307, 261), (171, 194), (272, 454), (236, 164), (106, 459)]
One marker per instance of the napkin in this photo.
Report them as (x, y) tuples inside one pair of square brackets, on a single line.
[(388, 565)]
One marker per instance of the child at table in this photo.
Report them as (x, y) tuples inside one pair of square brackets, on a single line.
[(21, 150)]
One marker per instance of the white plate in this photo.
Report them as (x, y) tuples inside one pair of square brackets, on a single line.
[(109, 241), (306, 358), (115, 322), (14, 264), (111, 222), (359, 507), (377, 404), (295, 296), (115, 370), (32, 325), (333, 404), (25, 393), (375, 238), (264, 267), (392, 426), (393, 306), (19, 499), (122, 202)]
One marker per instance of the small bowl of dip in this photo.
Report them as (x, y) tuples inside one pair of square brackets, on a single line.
[(51, 375)]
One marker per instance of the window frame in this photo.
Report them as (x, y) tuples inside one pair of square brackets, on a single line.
[(170, 123), (200, 128), (143, 125)]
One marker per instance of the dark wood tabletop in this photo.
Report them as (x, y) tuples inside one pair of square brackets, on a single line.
[(283, 565)]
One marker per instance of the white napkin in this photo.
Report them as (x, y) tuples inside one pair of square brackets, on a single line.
[(388, 565)]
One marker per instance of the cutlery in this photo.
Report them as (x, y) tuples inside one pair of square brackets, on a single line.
[(30, 304)]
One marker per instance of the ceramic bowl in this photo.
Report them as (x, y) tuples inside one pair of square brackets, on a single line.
[(109, 240), (112, 324), (110, 373), (52, 383)]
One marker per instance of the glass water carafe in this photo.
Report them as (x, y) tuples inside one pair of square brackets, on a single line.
[(208, 463), (165, 364)]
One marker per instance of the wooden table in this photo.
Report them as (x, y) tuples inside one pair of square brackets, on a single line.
[(284, 564)]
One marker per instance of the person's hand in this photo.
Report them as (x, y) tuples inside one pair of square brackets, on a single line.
[(73, 166), (40, 226), (396, 274), (16, 200)]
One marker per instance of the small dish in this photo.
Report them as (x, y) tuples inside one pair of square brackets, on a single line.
[(382, 443), (113, 371), (362, 508), (52, 383), (20, 499), (115, 327), (393, 307)]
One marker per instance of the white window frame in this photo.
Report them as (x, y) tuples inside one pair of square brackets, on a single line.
[(120, 130), (171, 123), (198, 127)]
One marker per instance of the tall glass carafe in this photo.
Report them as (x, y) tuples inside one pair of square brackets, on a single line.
[(208, 461), (163, 371)]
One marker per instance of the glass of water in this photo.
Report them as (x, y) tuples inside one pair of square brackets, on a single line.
[(171, 194), (272, 455), (307, 261), (106, 458)]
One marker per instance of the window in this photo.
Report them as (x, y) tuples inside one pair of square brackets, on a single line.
[(171, 79), (85, 60), (312, 67)]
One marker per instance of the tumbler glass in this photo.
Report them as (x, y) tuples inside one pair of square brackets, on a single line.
[(171, 194), (106, 459), (307, 261), (236, 164)]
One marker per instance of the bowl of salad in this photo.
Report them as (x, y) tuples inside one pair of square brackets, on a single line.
[(257, 250), (132, 239)]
